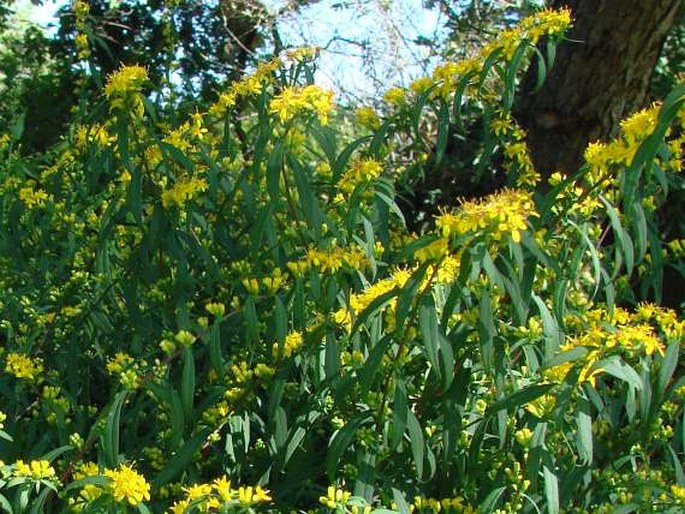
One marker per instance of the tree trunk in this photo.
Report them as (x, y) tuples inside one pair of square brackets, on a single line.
[(600, 76)]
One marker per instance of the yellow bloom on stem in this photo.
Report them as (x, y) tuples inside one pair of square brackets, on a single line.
[(33, 197), (248, 495), (334, 497), (498, 215), (126, 80), (36, 469), (22, 366), (294, 100), (183, 191), (128, 486)]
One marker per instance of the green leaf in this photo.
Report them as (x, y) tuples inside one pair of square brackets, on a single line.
[(615, 366), (490, 501), (519, 398), (584, 432), (550, 328), (401, 502), (309, 204), (368, 373), (677, 467), (551, 488), (340, 442), (110, 439), (400, 409), (459, 100), (274, 166), (430, 332), (541, 69), (668, 366), (17, 128), (53, 454), (363, 485), (486, 330), (6, 505), (188, 383), (99, 481), (417, 442), (442, 135), (178, 463), (511, 73), (624, 240)]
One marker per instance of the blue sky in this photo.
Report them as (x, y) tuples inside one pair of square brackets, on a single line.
[(387, 28)]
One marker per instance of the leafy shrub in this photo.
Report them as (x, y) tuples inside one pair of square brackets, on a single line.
[(226, 312)]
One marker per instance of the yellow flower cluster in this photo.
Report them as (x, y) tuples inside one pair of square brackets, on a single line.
[(216, 309), (329, 260), (81, 10), (447, 505), (295, 100), (33, 197), (552, 23), (127, 485), (293, 342), (621, 151), (368, 118), (335, 498), (182, 138), (498, 215), (182, 191), (22, 366), (123, 89), (220, 494), (548, 22), (94, 134), (125, 81), (518, 159), (126, 368), (624, 333), (359, 302), (36, 469), (249, 85), (359, 172)]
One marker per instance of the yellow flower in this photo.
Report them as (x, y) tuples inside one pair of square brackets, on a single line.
[(182, 191), (294, 100), (119, 363), (33, 197), (222, 486), (368, 118), (216, 309), (128, 486), (394, 96), (126, 80), (334, 497), (36, 469), (498, 215), (293, 342), (196, 491), (678, 493), (21, 366), (637, 127), (185, 338), (360, 171), (248, 495)]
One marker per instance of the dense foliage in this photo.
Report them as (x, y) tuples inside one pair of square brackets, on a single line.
[(228, 313)]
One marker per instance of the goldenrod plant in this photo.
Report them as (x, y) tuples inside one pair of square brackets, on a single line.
[(227, 312)]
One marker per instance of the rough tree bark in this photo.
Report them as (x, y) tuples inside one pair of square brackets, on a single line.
[(598, 78)]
